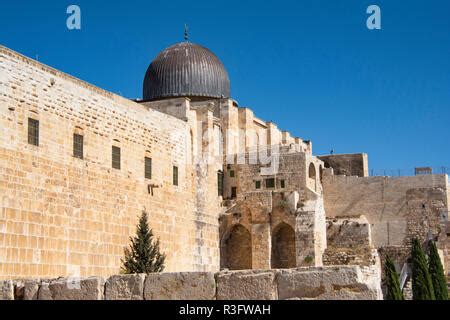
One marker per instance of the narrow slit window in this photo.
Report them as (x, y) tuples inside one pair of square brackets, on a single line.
[(148, 168), (175, 175), (116, 157), (33, 132), (78, 146), (258, 184), (282, 184), (220, 183), (231, 173)]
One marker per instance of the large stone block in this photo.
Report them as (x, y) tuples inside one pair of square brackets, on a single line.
[(26, 289), (180, 286), (6, 290), (334, 283), (72, 289), (246, 285), (125, 287)]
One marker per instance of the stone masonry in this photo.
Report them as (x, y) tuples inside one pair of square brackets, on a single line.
[(336, 283)]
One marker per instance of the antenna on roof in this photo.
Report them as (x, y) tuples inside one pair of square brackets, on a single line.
[(186, 32)]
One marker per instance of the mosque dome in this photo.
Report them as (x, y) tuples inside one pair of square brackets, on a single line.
[(186, 70)]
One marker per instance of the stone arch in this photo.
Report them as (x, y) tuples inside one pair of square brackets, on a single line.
[(312, 175), (283, 247), (312, 171), (236, 249)]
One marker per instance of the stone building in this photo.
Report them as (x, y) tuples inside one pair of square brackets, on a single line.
[(223, 188)]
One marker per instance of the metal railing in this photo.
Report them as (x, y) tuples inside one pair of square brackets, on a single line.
[(404, 274)]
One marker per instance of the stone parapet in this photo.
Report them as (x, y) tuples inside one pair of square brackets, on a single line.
[(308, 283)]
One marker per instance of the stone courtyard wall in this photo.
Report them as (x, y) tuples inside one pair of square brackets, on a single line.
[(347, 164), (398, 208), (60, 215), (333, 283)]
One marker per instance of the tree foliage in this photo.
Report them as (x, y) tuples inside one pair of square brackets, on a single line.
[(143, 255), (437, 273), (421, 280), (392, 281)]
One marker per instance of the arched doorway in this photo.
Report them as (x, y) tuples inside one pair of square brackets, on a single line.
[(236, 249), (283, 247)]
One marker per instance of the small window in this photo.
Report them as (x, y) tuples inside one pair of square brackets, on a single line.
[(270, 183), (233, 192), (78, 146), (231, 173), (258, 184), (282, 184), (116, 157), (33, 132), (148, 168), (175, 175), (220, 183)]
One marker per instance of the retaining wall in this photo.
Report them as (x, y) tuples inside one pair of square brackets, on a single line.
[(335, 283)]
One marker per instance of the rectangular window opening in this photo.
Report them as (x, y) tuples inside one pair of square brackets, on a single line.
[(116, 157), (148, 168), (220, 183), (33, 132), (270, 183), (78, 146), (175, 175), (233, 192)]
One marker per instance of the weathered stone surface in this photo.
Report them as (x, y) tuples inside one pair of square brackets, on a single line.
[(72, 289), (335, 283), (6, 290), (44, 291), (125, 287), (26, 289), (246, 285), (180, 286), (105, 220)]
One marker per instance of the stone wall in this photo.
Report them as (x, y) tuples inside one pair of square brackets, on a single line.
[(334, 283), (398, 208), (349, 242), (347, 164), (61, 215)]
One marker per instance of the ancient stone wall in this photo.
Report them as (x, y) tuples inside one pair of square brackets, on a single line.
[(349, 242), (347, 164), (397, 208), (61, 215), (335, 283)]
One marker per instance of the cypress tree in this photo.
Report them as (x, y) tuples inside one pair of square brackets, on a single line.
[(437, 274), (143, 255), (392, 281), (421, 280)]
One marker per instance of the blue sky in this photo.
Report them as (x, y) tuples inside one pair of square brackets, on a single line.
[(310, 66)]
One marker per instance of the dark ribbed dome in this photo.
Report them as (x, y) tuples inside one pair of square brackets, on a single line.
[(186, 70)]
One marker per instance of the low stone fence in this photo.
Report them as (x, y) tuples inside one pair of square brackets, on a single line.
[(333, 282)]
